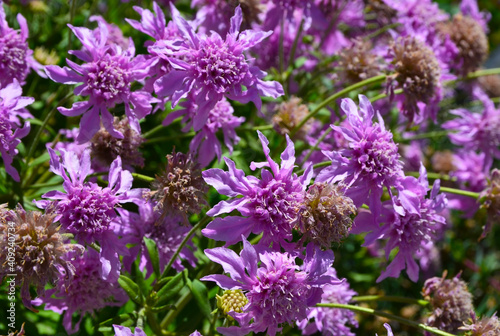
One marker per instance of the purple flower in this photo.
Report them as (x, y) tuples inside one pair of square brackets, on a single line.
[(278, 292), (370, 163), (407, 225), (470, 8), (213, 68), (205, 143), (16, 58), (86, 292), (124, 331), (87, 210), (389, 330), (163, 230), (106, 77), (269, 205), (331, 321), (477, 131), (115, 35), (12, 106)]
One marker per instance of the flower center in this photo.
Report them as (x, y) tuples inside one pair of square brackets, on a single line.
[(5, 133), (88, 212), (108, 78), (232, 300), (218, 67)]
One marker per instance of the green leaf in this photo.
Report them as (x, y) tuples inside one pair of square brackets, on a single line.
[(172, 288), (131, 288), (153, 255), (200, 294), (120, 319)]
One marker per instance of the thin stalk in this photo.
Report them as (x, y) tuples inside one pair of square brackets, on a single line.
[(335, 96), (152, 131), (460, 192), (200, 224), (433, 176), (282, 51), (401, 299), (384, 95), (179, 305), (483, 72), (386, 315), (168, 138), (292, 53), (313, 148), (143, 177), (72, 12), (429, 135), (153, 323), (381, 31), (317, 165), (256, 128)]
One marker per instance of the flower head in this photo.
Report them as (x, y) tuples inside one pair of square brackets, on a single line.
[(86, 209), (106, 77), (450, 300), (12, 106), (38, 253), (213, 68), (269, 205), (487, 326), (371, 162), (278, 290), (86, 292), (124, 331), (16, 58), (288, 115), (358, 61)]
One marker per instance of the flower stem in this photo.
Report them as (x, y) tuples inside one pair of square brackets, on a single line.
[(168, 138), (317, 165), (200, 224), (460, 192), (256, 128), (381, 31), (143, 177), (401, 299), (335, 96), (436, 134), (386, 315), (433, 176), (384, 95), (313, 148), (483, 72)]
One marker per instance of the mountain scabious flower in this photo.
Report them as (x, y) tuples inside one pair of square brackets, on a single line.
[(85, 293), (487, 326), (213, 68), (331, 321), (450, 300), (269, 205), (278, 290), (32, 248), (12, 107), (180, 189), (370, 163), (326, 215), (106, 148), (106, 77), (389, 330), (205, 145), (16, 58), (477, 131), (86, 210), (409, 224)]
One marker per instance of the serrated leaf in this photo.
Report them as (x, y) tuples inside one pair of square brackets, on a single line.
[(172, 288), (131, 288), (153, 255), (200, 294)]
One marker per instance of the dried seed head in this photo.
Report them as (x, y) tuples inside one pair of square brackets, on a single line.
[(442, 162), (418, 71), (359, 62), (180, 190), (491, 201), (450, 300), (33, 249), (326, 215), (471, 41), (289, 114), (232, 300), (105, 148), (490, 84)]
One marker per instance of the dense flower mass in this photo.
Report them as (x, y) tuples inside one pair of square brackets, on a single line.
[(269, 205), (213, 68), (278, 291)]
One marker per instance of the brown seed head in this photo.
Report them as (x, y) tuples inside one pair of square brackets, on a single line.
[(358, 61), (288, 115)]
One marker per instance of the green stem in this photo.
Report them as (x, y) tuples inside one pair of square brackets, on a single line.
[(143, 177), (433, 176), (401, 299), (429, 135), (291, 61), (332, 98), (179, 305), (200, 224), (384, 95), (381, 31), (152, 131), (483, 72), (256, 128), (386, 315), (153, 323), (317, 165), (460, 192), (169, 138), (321, 138)]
